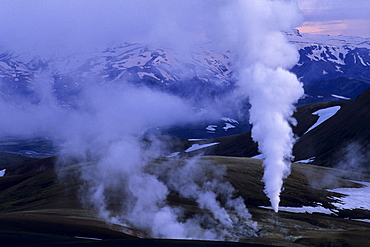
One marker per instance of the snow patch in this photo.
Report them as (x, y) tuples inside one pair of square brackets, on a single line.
[(309, 160), (338, 69), (211, 127), (363, 220), (142, 74), (259, 156), (324, 114), (2, 172), (88, 238), (361, 60), (195, 147), (303, 209), (173, 155), (340, 97), (230, 120), (355, 198), (228, 126)]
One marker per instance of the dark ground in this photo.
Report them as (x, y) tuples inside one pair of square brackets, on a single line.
[(37, 209)]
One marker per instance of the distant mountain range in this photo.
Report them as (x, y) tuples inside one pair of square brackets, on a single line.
[(332, 68), (205, 74)]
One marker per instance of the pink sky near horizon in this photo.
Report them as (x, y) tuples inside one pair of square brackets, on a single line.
[(336, 17)]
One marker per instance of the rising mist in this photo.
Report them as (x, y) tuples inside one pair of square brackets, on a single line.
[(105, 127)]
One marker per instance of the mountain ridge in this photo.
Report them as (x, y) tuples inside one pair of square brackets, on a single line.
[(325, 142), (324, 59), (206, 73)]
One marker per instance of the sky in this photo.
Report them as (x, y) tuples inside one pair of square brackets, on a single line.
[(336, 17)]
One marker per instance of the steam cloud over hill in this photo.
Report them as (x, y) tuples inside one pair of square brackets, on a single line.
[(107, 123)]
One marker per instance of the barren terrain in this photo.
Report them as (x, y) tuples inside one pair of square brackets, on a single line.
[(40, 209)]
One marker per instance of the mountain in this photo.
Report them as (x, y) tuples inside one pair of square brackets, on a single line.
[(331, 67), (328, 142), (205, 74), (344, 134)]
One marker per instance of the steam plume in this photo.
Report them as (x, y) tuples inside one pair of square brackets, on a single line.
[(265, 54), (354, 156), (105, 127)]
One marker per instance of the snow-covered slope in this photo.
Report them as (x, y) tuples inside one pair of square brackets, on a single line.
[(205, 72), (341, 50), (331, 66)]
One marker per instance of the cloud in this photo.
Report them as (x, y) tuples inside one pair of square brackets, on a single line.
[(69, 26), (336, 17)]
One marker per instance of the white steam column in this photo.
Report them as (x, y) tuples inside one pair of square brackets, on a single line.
[(265, 57), (272, 95)]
